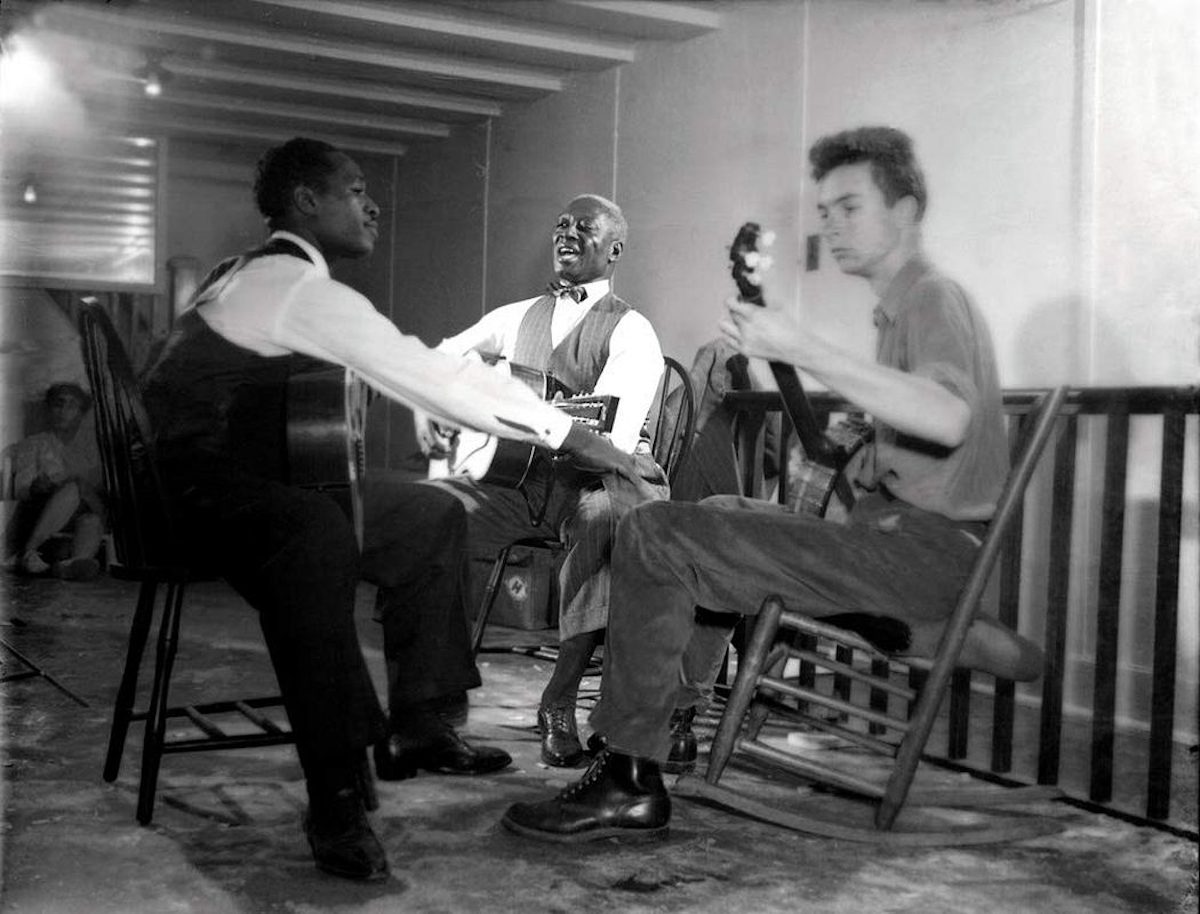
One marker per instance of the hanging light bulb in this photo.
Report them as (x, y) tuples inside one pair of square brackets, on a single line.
[(153, 75), (30, 194)]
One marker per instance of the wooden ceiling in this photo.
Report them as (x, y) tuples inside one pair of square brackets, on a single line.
[(78, 125), (369, 75)]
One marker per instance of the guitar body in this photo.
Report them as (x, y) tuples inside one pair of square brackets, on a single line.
[(500, 461), (812, 485), (827, 452), (326, 436)]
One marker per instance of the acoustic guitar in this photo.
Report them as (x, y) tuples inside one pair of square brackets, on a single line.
[(487, 458), (326, 436), (826, 451)]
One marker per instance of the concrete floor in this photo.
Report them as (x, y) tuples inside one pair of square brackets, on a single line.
[(226, 834)]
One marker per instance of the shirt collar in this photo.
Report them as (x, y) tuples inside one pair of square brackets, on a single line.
[(596, 290), (896, 291), (315, 255)]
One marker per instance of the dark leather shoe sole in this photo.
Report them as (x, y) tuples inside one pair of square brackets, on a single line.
[(484, 760), (624, 834), (404, 764)]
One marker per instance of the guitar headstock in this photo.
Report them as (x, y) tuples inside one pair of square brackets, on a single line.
[(749, 261)]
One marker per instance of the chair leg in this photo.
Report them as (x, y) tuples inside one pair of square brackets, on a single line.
[(489, 598), (156, 715), (758, 713), (139, 632), (750, 667)]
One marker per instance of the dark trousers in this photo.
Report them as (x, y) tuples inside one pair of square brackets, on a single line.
[(292, 555), (728, 554), (416, 553)]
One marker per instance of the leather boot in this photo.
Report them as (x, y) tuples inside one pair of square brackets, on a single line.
[(560, 736), (340, 836), (619, 796), (684, 748)]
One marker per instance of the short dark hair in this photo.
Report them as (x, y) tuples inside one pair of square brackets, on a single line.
[(70, 389), (299, 161), (890, 152)]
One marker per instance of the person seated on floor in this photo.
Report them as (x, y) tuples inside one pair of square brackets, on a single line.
[(216, 398), (57, 482), (584, 336), (891, 571)]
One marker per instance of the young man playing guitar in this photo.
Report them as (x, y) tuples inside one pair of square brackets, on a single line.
[(927, 485), (217, 399), (591, 341)]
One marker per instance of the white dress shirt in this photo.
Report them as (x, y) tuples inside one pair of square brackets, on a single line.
[(635, 360), (280, 304)]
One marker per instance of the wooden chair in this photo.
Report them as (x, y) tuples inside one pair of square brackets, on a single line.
[(858, 693), (146, 552), (672, 426)]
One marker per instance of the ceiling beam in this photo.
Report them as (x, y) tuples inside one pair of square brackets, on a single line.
[(688, 14), (344, 88), (486, 30), (309, 46), (227, 103), (250, 133)]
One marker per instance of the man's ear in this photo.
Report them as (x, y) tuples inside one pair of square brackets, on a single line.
[(304, 199), (615, 251), (906, 209)]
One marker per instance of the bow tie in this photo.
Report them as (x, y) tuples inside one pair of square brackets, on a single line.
[(578, 293)]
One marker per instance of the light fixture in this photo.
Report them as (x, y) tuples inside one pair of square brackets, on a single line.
[(29, 192), (153, 75)]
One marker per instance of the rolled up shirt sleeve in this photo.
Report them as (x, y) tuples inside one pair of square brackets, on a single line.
[(328, 320)]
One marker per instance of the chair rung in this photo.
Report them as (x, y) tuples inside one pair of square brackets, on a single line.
[(853, 672), (261, 721), (244, 741), (803, 767), (203, 723), (828, 701), (874, 744), (247, 708)]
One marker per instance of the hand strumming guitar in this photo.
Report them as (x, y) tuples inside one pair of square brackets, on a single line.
[(589, 451), (765, 333)]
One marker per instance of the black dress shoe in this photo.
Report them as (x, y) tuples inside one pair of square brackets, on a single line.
[(341, 838), (684, 748), (619, 796), (560, 737), (434, 748)]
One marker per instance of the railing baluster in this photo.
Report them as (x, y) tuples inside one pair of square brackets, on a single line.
[(1057, 593), (1166, 614), (1108, 603), (1004, 690)]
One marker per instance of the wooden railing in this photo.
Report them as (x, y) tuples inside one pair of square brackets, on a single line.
[(1104, 525)]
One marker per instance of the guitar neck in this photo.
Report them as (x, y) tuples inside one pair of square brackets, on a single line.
[(795, 402), (594, 412)]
